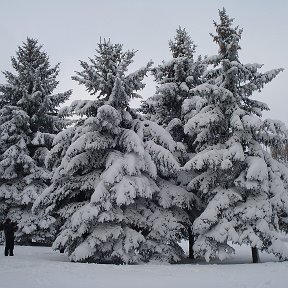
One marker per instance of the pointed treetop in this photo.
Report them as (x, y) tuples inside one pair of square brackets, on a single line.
[(31, 85), (33, 68), (31, 52), (106, 75), (182, 46), (227, 37)]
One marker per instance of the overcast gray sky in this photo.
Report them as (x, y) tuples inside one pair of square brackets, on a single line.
[(70, 30)]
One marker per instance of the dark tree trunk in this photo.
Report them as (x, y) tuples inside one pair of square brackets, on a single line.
[(255, 255), (191, 243)]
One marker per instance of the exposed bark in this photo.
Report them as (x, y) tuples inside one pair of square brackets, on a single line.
[(255, 255), (191, 243)]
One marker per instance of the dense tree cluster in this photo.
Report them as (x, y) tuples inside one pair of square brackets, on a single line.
[(119, 185)]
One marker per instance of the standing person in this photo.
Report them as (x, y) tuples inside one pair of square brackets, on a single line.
[(9, 228)]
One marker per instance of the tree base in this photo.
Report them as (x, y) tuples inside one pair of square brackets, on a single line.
[(255, 255)]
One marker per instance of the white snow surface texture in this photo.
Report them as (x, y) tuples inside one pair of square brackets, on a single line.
[(35, 267)]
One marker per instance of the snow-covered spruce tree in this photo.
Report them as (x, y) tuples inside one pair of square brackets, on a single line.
[(112, 187), (243, 188), (171, 104), (175, 78), (29, 120)]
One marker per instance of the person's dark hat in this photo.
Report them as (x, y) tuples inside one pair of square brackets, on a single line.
[(8, 220)]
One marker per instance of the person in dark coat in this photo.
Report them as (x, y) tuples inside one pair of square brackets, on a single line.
[(9, 228)]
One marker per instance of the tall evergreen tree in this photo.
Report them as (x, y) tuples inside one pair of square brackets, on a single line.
[(243, 188), (112, 186), (29, 120), (172, 102)]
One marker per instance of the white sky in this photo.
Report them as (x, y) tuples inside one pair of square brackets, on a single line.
[(70, 30)]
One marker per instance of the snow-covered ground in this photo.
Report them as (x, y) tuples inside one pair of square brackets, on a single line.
[(40, 267)]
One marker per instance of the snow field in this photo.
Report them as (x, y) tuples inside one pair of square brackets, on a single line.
[(40, 267)]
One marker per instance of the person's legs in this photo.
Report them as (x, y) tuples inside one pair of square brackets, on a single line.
[(9, 247), (12, 247), (6, 247)]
